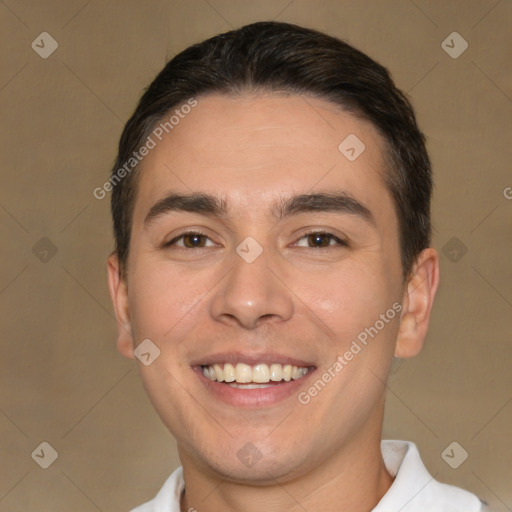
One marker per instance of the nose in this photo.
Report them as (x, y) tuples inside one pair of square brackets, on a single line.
[(252, 294)]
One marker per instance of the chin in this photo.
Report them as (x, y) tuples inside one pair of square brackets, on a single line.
[(261, 465)]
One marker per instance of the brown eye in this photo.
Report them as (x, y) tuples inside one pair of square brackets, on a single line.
[(190, 240), (193, 240), (319, 239)]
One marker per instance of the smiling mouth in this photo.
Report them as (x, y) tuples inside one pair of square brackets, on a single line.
[(244, 376)]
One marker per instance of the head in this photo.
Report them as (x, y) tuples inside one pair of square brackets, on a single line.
[(301, 243)]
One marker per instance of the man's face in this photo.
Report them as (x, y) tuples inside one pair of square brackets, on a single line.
[(329, 268)]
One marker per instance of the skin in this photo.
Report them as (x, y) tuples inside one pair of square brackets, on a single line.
[(295, 299)]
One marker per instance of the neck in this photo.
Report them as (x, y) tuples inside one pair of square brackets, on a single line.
[(353, 479)]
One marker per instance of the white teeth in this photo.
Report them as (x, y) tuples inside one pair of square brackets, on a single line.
[(276, 372), (287, 372), (219, 374), (248, 386), (243, 373), (258, 374), (296, 373), (229, 372)]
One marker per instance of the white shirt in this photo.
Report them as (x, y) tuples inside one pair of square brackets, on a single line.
[(413, 490)]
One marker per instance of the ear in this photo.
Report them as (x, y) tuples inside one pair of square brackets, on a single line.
[(417, 303), (119, 294)]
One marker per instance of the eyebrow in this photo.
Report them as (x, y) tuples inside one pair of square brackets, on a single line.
[(206, 204)]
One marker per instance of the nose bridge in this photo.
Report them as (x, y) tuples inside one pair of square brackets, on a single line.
[(251, 291)]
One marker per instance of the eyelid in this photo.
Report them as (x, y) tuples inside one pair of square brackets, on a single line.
[(341, 242), (184, 233)]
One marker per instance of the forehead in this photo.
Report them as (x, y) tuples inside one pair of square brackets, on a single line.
[(251, 149)]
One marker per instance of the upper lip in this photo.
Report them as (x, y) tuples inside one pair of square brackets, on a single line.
[(250, 359)]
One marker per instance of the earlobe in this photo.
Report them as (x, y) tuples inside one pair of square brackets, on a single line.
[(119, 296), (417, 304)]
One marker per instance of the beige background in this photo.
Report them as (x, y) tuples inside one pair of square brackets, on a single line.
[(61, 379)]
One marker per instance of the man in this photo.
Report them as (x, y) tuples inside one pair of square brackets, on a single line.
[(271, 206)]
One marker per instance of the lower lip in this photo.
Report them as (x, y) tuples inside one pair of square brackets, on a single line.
[(253, 398)]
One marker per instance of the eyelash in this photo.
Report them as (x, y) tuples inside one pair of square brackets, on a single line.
[(339, 242)]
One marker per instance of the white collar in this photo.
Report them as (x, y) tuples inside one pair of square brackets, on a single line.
[(413, 490)]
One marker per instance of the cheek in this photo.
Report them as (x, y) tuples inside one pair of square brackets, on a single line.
[(162, 297), (347, 299)]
